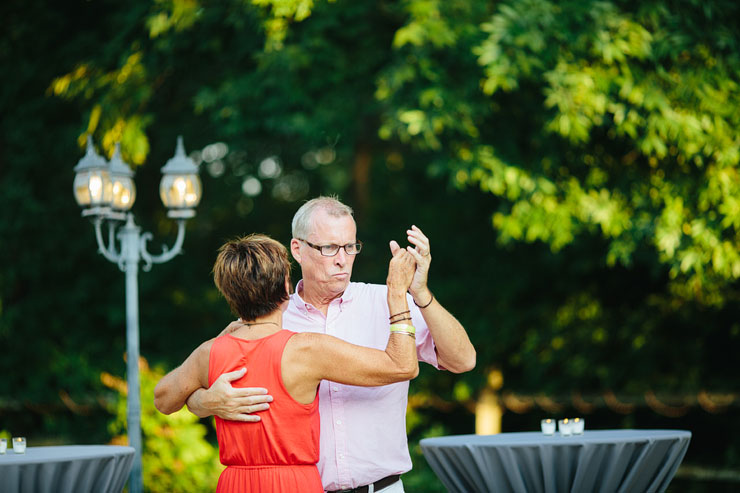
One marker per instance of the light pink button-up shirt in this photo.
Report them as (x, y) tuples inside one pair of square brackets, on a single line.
[(363, 429)]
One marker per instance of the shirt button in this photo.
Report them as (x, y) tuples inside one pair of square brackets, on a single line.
[(339, 421), (335, 388)]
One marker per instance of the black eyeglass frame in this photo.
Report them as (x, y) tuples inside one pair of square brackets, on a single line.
[(320, 248)]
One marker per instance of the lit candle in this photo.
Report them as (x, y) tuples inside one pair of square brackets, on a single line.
[(19, 445), (3, 445), (566, 427), (578, 426), (548, 426)]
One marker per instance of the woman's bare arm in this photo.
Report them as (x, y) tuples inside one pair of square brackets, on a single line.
[(174, 388)]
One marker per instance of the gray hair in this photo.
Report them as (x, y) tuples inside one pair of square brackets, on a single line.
[(302, 221)]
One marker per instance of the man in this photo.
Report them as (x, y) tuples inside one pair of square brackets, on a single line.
[(363, 430)]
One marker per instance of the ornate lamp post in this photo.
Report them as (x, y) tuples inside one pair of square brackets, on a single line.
[(106, 192)]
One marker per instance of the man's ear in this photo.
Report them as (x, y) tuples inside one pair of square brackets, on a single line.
[(295, 249)]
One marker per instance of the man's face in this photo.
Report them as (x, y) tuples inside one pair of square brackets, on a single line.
[(328, 275)]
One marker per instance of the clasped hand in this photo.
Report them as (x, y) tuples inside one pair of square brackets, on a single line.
[(421, 252)]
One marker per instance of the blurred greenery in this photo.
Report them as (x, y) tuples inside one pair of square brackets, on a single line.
[(177, 457), (574, 163)]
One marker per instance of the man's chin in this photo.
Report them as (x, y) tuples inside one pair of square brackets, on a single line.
[(339, 282)]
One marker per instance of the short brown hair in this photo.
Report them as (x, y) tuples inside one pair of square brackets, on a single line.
[(250, 272)]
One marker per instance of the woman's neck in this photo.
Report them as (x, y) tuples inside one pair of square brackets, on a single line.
[(261, 326)]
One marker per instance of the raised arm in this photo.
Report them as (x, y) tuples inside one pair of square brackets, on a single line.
[(455, 352), (175, 387), (309, 357)]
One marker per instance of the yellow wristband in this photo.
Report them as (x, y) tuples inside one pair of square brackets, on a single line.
[(408, 329)]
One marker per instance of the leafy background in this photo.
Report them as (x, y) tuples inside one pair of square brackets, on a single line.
[(574, 163)]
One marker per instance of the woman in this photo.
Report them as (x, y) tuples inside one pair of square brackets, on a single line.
[(280, 452)]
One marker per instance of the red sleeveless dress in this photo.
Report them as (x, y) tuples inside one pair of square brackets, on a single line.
[(280, 452)]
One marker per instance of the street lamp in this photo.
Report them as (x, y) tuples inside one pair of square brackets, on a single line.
[(123, 189), (92, 185), (106, 192), (180, 188)]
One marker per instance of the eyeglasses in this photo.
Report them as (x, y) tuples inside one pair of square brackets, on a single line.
[(331, 250)]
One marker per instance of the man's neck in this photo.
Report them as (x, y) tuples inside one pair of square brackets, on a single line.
[(318, 299)]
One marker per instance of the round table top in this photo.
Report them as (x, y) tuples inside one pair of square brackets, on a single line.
[(538, 438), (62, 453), (606, 461)]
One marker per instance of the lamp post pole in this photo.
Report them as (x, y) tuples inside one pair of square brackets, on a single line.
[(180, 190), (130, 251)]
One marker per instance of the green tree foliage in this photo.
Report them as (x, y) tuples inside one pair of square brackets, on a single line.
[(621, 121), (608, 132), (176, 457)]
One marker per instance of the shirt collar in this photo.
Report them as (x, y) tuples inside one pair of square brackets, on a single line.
[(302, 306)]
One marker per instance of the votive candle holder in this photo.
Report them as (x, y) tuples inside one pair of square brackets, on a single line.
[(19, 445), (565, 426)]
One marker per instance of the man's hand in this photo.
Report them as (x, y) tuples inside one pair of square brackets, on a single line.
[(227, 402), (422, 254), (400, 272)]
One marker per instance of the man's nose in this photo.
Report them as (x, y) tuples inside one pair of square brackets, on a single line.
[(341, 257)]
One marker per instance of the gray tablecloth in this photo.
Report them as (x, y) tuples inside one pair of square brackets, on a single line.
[(606, 461), (66, 469)]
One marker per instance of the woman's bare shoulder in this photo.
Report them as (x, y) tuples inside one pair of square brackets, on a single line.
[(204, 350), (305, 340)]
